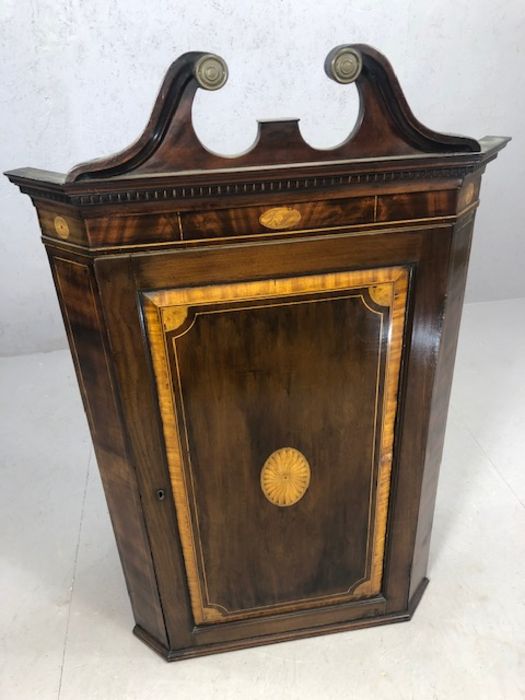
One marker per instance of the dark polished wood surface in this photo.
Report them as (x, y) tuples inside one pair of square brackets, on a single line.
[(265, 347), (266, 390)]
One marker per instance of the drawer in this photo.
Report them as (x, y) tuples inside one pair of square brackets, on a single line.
[(257, 220), (63, 222), (415, 205), (245, 221)]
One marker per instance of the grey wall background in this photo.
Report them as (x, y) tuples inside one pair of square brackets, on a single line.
[(78, 78)]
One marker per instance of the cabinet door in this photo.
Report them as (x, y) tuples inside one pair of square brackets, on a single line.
[(278, 400)]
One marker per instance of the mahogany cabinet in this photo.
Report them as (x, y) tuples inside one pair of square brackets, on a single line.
[(264, 346)]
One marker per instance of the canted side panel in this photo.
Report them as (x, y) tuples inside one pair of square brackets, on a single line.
[(268, 381), (80, 309), (457, 277)]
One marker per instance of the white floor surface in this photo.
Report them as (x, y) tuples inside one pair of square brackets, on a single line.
[(65, 620)]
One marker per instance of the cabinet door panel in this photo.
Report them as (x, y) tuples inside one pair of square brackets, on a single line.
[(278, 400)]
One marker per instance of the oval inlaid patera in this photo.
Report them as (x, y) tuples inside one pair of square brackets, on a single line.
[(61, 226), (280, 217), (285, 476), (469, 193)]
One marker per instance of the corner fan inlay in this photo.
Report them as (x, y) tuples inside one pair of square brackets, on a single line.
[(285, 477)]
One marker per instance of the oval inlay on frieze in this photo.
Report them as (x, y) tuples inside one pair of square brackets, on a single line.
[(61, 227), (470, 193), (280, 217), (285, 477)]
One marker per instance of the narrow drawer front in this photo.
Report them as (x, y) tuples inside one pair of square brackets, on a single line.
[(414, 205), (245, 221)]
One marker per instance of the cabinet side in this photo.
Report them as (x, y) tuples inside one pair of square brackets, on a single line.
[(79, 303), (451, 318)]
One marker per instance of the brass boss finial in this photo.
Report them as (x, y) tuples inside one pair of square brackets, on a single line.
[(344, 64), (211, 72)]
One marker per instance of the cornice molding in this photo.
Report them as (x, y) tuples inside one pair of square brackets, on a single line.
[(225, 189)]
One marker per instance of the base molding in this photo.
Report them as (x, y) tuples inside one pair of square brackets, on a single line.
[(218, 647)]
